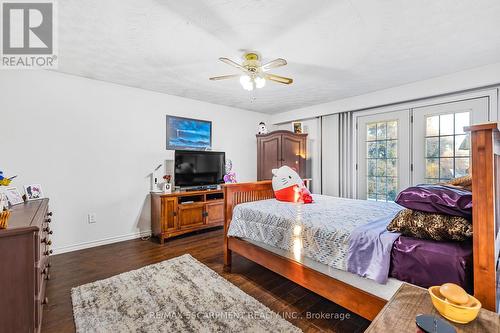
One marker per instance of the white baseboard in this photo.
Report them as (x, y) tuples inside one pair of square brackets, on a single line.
[(104, 241)]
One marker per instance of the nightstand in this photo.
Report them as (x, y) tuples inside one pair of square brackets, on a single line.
[(399, 314)]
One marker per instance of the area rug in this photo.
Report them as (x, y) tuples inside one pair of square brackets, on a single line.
[(176, 295)]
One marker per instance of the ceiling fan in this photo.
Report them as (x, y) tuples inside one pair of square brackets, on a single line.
[(254, 74)]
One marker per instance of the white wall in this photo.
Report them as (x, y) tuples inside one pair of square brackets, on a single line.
[(92, 146)]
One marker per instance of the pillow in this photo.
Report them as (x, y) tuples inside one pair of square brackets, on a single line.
[(289, 187), (431, 226), (464, 182), (437, 199)]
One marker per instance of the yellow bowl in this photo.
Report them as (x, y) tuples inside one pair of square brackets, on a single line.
[(461, 314)]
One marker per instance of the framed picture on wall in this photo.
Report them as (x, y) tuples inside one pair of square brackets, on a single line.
[(33, 192), (187, 133), (297, 127)]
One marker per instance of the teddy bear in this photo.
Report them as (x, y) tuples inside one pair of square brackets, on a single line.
[(289, 187)]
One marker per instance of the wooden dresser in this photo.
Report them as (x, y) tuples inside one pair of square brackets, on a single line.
[(279, 148), (24, 267), (183, 212)]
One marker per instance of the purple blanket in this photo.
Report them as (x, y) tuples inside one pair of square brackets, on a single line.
[(415, 261), (370, 250)]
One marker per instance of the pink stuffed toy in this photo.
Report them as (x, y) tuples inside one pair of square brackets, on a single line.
[(289, 187)]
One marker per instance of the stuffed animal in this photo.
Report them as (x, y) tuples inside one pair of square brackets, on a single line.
[(230, 176), (288, 186), (262, 129), (5, 181)]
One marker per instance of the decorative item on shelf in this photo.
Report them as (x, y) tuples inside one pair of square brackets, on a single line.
[(453, 303), (4, 203), (297, 127), (4, 211), (33, 192), (13, 195), (262, 129), (433, 324), (4, 216), (155, 187), (5, 181), (167, 186), (230, 176)]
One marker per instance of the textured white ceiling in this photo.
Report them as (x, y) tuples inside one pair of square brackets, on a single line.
[(335, 48)]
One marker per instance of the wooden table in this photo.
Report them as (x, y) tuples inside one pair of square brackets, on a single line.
[(399, 314)]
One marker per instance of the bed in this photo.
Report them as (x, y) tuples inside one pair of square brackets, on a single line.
[(326, 275)]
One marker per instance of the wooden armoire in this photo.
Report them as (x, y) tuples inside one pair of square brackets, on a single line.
[(280, 148)]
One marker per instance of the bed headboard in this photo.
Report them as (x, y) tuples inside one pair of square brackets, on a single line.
[(485, 152), (235, 194)]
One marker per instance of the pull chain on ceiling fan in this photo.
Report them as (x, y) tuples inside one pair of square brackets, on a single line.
[(254, 74)]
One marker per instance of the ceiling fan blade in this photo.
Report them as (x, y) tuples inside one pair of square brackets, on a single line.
[(279, 79), (273, 64), (223, 77), (232, 63)]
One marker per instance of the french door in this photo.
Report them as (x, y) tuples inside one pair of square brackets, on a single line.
[(441, 148), (383, 155)]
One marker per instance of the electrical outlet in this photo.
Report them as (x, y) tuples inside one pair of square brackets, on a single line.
[(91, 218)]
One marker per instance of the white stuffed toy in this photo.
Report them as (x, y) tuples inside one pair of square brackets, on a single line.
[(288, 186), (262, 128)]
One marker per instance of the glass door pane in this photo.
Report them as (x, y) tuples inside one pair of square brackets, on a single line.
[(441, 148), (447, 147), (383, 158)]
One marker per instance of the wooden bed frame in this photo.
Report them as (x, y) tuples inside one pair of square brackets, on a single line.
[(485, 150)]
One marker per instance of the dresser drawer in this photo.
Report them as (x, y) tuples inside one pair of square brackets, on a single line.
[(40, 301), (42, 275)]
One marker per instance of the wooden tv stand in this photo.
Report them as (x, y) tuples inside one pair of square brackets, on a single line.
[(183, 212)]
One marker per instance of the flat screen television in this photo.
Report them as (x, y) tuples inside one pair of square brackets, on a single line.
[(199, 168)]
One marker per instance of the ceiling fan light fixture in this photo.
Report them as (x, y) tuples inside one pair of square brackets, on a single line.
[(255, 75), (246, 82), (260, 82)]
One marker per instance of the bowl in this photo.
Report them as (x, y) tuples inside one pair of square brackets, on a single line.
[(456, 313)]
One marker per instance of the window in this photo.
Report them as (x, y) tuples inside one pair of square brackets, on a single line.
[(447, 147), (382, 160)]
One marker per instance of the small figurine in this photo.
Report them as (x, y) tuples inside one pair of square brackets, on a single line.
[(230, 176), (262, 129)]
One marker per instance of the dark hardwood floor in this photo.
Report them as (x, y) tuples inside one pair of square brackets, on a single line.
[(303, 308)]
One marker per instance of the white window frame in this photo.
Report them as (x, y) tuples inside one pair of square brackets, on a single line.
[(493, 115)]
